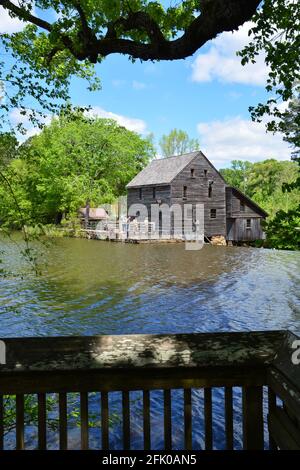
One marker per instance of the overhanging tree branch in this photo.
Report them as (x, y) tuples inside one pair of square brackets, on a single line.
[(216, 16)]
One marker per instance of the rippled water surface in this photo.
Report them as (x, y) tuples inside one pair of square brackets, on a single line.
[(92, 287)]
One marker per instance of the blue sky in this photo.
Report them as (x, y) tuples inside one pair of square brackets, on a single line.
[(206, 95)]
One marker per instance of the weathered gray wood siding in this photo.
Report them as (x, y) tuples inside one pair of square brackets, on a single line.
[(197, 192), (228, 202), (162, 194), (238, 231), (235, 206)]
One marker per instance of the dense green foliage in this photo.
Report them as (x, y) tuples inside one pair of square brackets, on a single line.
[(291, 125), (276, 34), (72, 160), (283, 232), (262, 181), (273, 185), (31, 84), (8, 148), (177, 142)]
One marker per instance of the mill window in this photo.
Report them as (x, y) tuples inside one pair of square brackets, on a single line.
[(213, 213), (184, 191), (248, 223), (192, 173), (140, 193)]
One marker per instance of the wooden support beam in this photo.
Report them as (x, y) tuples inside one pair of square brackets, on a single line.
[(63, 425), (42, 421), (187, 419), (271, 409), (104, 421), (84, 420), (167, 420), (253, 426), (126, 420), (146, 419), (228, 418), (208, 418), (20, 422)]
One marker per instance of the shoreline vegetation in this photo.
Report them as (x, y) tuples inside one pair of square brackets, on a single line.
[(44, 232), (78, 160)]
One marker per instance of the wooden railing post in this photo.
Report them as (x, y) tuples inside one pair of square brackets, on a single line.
[(63, 433), (20, 422), (208, 418), (271, 409), (253, 426), (188, 419), (167, 420), (146, 419), (126, 419), (104, 421), (84, 420), (228, 418), (42, 421)]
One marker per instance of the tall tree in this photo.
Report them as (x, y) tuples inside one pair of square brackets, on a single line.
[(74, 159), (141, 29), (237, 174), (86, 32), (291, 125), (276, 34), (177, 142), (284, 230), (8, 148)]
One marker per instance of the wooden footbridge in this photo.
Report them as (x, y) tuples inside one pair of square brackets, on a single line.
[(262, 367)]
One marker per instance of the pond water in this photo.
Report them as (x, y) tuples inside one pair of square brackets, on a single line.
[(90, 287)]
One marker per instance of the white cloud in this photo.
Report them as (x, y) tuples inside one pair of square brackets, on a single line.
[(240, 139), (9, 24), (138, 85), (220, 62), (137, 125), (118, 83), (133, 124), (234, 95), (16, 118)]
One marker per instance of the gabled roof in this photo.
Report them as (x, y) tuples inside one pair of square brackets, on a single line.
[(249, 201), (162, 171)]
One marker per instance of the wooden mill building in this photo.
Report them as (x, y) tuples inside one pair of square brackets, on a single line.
[(192, 179)]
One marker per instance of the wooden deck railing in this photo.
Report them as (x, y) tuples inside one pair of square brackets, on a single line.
[(258, 363)]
